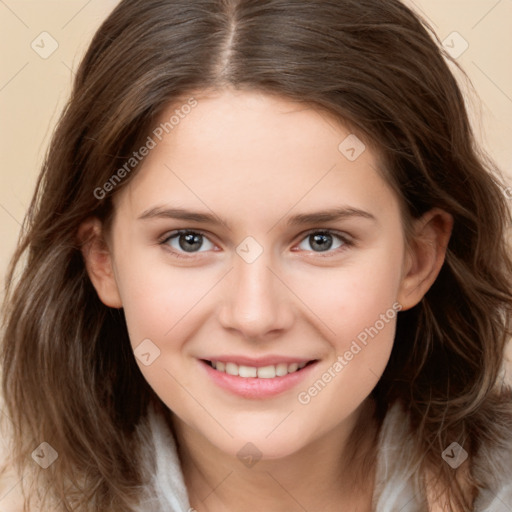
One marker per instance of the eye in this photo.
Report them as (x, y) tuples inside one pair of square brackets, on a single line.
[(186, 241), (322, 241)]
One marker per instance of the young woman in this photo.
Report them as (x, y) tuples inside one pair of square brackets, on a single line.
[(265, 268)]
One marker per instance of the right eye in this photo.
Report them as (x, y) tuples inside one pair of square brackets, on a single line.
[(185, 241)]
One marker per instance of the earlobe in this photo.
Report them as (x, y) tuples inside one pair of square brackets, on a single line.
[(98, 261), (425, 256)]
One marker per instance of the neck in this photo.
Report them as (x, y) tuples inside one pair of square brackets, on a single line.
[(334, 472)]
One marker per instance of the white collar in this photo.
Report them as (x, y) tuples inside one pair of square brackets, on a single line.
[(398, 484)]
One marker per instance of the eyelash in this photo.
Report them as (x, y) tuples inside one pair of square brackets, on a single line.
[(347, 242)]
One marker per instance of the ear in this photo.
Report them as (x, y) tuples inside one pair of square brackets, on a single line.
[(425, 256), (98, 261)]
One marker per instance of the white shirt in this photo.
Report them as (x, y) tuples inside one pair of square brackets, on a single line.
[(398, 483)]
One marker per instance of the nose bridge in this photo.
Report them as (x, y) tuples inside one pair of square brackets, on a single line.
[(255, 301)]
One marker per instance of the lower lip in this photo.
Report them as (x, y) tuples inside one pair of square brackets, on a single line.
[(254, 387)]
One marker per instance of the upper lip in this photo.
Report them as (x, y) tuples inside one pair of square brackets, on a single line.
[(258, 361)]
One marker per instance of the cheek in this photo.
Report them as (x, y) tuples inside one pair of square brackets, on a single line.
[(363, 317), (358, 311), (160, 307), (348, 299), (156, 296)]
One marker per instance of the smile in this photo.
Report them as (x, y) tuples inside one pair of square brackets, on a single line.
[(257, 382), (261, 372)]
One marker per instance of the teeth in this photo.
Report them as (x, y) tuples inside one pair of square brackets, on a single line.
[(263, 372), (293, 367), (246, 371), (281, 369), (267, 372), (232, 368)]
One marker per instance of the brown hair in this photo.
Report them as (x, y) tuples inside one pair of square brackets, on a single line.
[(69, 374)]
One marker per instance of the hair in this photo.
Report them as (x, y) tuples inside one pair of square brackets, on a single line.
[(69, 374)]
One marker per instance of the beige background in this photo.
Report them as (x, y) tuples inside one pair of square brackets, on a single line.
[(33, 90)]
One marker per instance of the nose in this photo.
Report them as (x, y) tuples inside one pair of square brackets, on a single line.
[(256, 301)]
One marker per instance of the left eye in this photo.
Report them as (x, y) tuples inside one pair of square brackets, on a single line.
[(322, 241)]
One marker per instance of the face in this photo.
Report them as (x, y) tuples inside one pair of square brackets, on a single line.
[(301, 306)]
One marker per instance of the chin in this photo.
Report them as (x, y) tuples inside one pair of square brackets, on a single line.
[(268, 443)]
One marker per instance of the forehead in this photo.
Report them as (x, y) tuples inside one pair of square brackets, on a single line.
[(255, 152)]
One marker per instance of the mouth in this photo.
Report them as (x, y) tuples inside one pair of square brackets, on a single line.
[(257, 378), (269, 371)]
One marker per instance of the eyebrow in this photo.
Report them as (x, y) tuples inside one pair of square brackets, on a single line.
[(329, 215)]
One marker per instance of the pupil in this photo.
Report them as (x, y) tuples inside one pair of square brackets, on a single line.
[(323, 241), (191, 239)]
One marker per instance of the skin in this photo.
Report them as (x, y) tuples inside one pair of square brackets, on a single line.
[(254, 160)]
